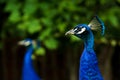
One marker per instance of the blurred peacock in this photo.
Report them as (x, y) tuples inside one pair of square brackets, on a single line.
[(28, 71), (88, 69)]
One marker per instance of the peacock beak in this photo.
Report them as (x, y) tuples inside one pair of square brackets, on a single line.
[(21, 43), (70, 32)]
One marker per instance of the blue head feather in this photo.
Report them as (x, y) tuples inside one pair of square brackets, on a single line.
[(28, 71), (89, 69), (28, 39)]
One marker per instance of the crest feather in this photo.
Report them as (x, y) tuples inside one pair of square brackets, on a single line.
[(97, 24)]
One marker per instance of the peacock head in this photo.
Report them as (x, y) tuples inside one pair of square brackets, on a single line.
[(83, 30), (29, 43)]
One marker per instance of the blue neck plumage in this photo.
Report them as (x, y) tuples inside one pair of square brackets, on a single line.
[(89, 41), (89, 69), (29, 72), (27, 58)]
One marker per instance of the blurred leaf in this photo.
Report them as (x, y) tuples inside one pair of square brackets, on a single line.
[(33, 26), (32, 1), (104, 40), (33, 57), (51, 43), (26, 17), (103, 1), (12, 6), (61, 27), (113, 42), (76, 17), (46, 6), (113, 19), (45, 33), (40, 51), (15, 16), (74, 38), (30, 8), (46, 21), (22, 26), (90, 3)]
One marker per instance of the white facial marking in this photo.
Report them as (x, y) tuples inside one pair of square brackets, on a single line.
[(21, 42), (75, 29), (82, 30), (27, 43)]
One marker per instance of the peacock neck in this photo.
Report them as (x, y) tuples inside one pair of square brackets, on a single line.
[(89, 41), (28, 55), (29, 72)]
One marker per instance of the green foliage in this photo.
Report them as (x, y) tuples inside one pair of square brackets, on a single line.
[(51, 43), (31, 26), (51, 19), (40, 51), (113, 42)]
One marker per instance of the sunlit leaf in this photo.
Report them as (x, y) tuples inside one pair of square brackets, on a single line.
[(45, 33), (61, 27), (15, 16), (33, 26), (40, 51), (26, 17), (113, 42), (51, 43)]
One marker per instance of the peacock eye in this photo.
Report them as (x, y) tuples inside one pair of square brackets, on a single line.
[(77, 29), (82, 30)]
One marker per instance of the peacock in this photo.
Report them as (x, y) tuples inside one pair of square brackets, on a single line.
[(88, 69), (28, 71)]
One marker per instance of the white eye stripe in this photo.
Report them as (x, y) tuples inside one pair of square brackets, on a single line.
[(27, 43), (82, 30), (75, 29)]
